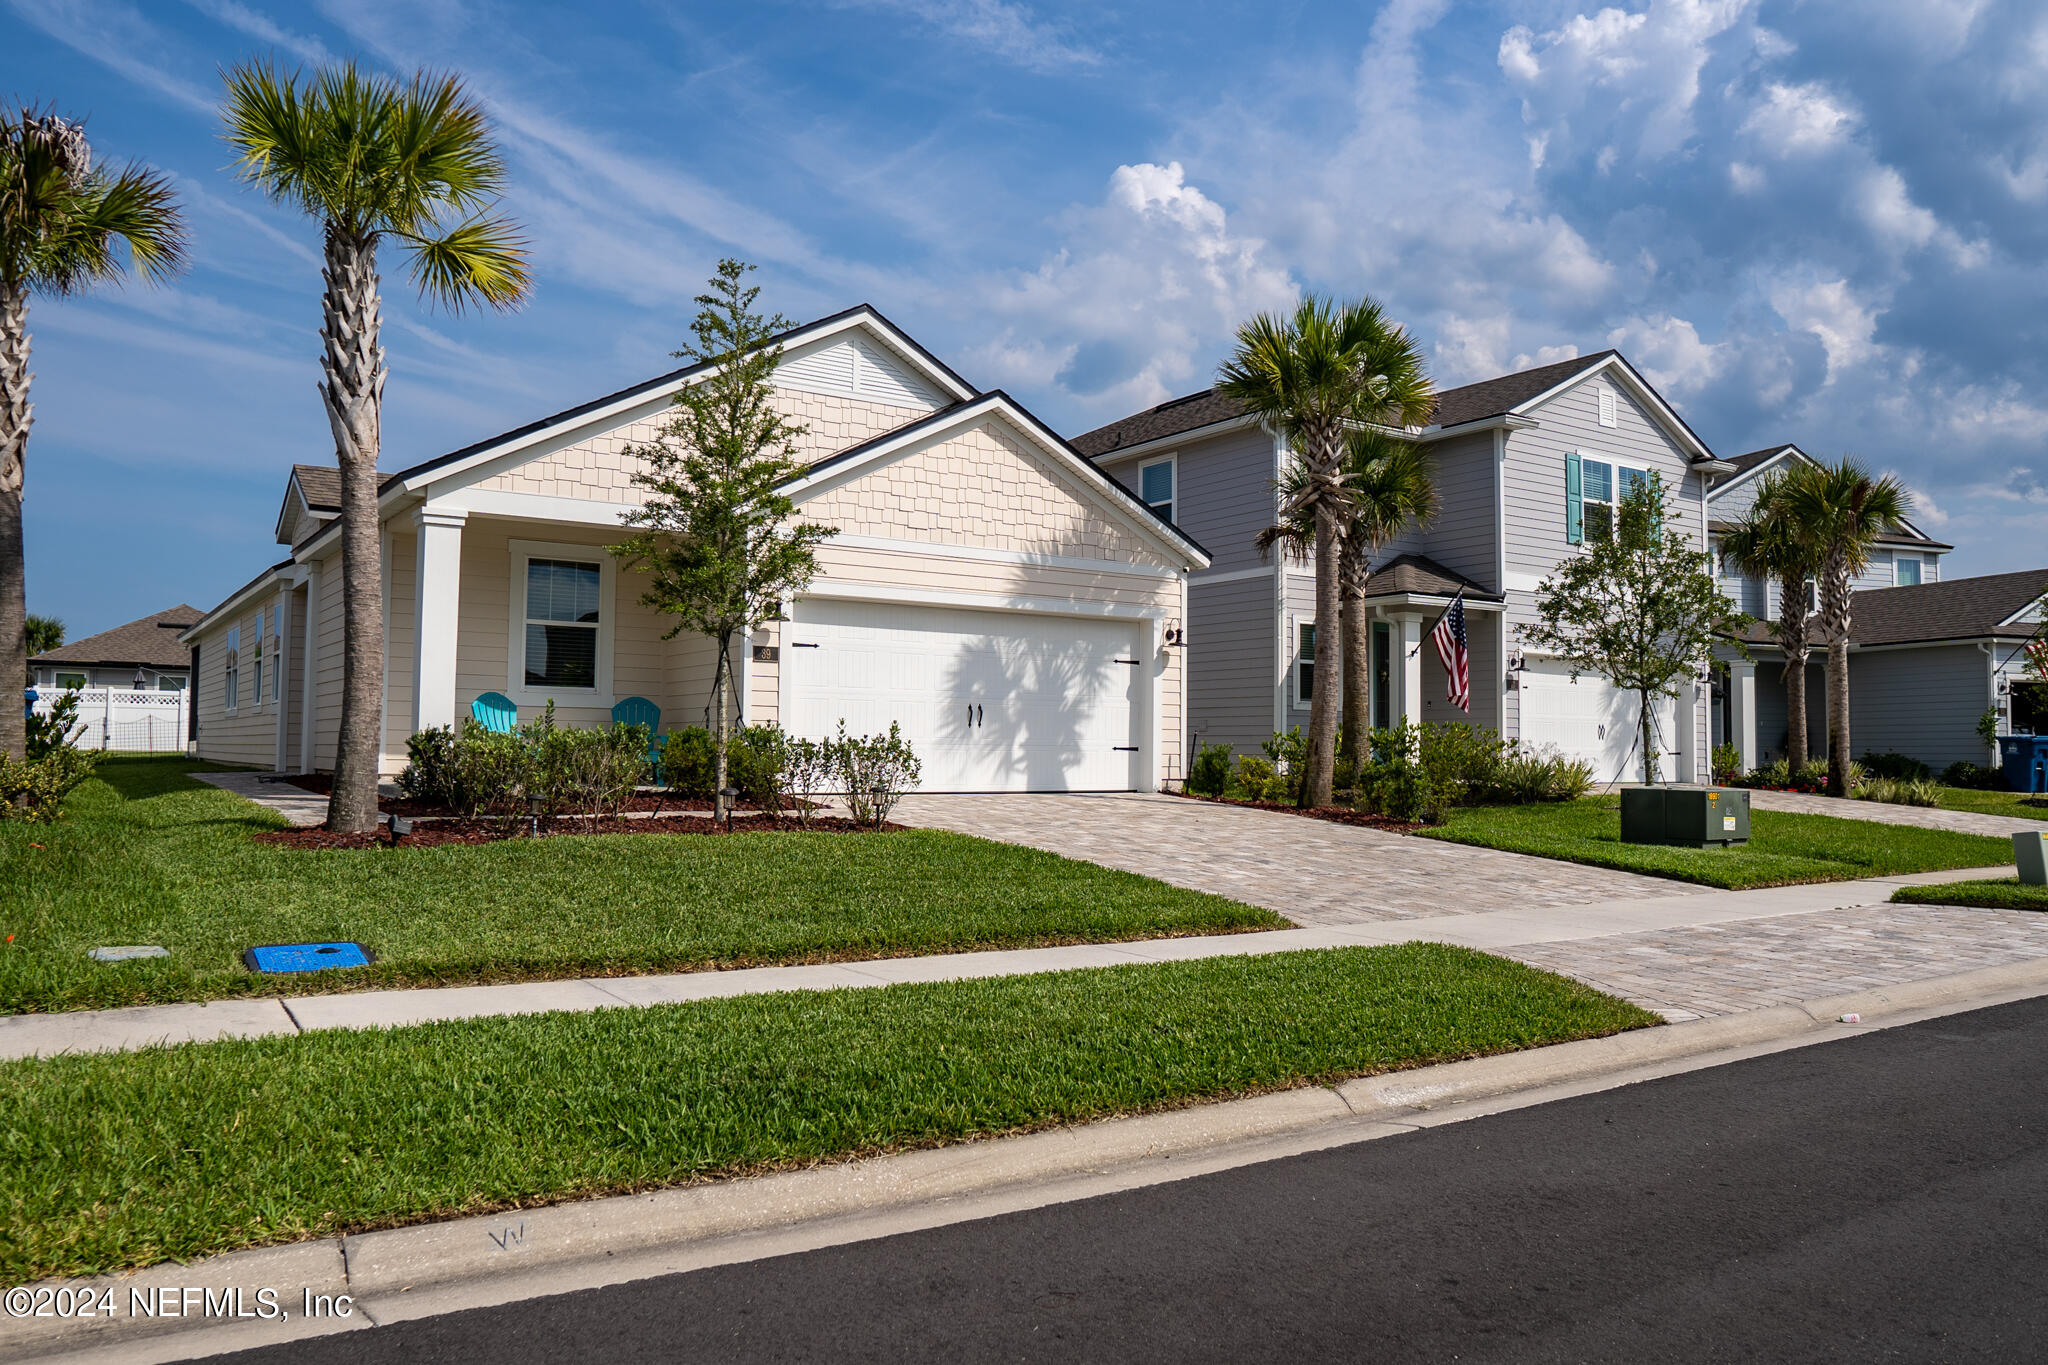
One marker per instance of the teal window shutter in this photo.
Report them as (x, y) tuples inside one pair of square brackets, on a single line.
[(1574, 501)]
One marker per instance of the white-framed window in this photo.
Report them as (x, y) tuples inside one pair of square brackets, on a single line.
[(231, 665), (71, 682), (1609, 414), (561, 642), (1156, 485), (256, 659), (1304, 662), (276, 654), (1602, 486), (170, 682), (1906, 571)]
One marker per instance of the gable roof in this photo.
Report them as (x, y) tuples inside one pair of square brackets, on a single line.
[(1908, 538), (1758, 461), (997, 402), (1423, 576), (1501, 396), (151, 642), (1955, 609), (319, 485)]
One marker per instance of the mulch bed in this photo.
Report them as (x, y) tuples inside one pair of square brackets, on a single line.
[(648, 802), (1336, 815), (492, 831)]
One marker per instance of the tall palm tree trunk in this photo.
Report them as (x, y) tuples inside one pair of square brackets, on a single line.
[(1323, 706), (352, 362), (1835, 623), (1792, 634), (1356, 662), (15, 416)]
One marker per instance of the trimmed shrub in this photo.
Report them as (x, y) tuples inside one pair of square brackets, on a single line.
[(1966, 774), (1726, 765), (34, 790), (754, 760), (1288, 753), (809, 770), (1253, 773), (1900, 791), (432, 773), (1209, 774), (1393, 782), (1897, 767), (58, 729), (874, 772)]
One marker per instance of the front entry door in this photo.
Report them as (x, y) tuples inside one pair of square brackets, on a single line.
[(1382, 676)]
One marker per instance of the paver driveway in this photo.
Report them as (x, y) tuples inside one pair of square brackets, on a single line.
[(1315, 872)]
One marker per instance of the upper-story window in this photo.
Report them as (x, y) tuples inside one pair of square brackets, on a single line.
[(1305, 663), (262, 629), (1155, 486), (1603, 486), (231, 677), (1906, 571), (1609, 414)]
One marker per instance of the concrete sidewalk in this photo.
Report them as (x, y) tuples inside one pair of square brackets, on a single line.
[(1544, 935)]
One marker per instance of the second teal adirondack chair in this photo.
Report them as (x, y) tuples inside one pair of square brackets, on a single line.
[(640, 711), (495, 712)]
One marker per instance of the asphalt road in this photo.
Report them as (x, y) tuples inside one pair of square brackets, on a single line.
[(1880, 1198)]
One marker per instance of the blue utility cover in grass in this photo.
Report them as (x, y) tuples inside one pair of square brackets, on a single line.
[(306, 957)]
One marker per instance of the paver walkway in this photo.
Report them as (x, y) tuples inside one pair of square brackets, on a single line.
[(296, 804), (1884, 813), (1315, 872)]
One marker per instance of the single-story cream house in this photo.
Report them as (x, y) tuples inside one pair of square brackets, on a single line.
[(1014, 609)]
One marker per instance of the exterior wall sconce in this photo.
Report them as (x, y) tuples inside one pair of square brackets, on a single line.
[(1175, 637), (1516, 663)]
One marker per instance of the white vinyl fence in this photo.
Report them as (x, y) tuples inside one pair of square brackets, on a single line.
[(111, 718)]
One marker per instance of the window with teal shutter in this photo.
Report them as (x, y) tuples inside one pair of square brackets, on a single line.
[(1574, 501)]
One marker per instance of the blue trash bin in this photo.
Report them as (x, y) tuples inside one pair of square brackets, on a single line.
[(2025, 759)]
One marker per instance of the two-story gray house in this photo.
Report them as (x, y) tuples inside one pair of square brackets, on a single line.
[(1528, 466), (1927, 656)]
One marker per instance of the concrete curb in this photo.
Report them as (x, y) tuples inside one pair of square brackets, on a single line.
[(418, 1271)]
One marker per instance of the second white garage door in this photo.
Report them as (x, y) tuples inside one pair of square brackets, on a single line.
[(989, 700), (1593, 720)]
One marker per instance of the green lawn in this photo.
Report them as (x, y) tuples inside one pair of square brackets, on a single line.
[(2005, 893), (115, 1160), (149, 855), (1784, 848), (2030, 805)]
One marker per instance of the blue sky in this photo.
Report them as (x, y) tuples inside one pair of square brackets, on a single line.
[(1811, 222)]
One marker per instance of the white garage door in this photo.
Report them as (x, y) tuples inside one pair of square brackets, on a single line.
[(1593, 720), (989, 700)]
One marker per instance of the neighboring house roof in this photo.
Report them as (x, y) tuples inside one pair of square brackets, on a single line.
[(320, 484), (1757, 461), (151, 642), (1909, 537), (1502, 396), (1744, 463), (1422, 576), (1957, 609)]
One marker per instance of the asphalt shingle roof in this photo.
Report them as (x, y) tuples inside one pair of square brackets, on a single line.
[(1454, 407), (321, 483), (1420, 574), (1956, 609), (151, 642)]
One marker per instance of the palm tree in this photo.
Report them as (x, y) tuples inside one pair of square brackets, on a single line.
[(1387, 488), (1840, 510), (60, 218), (1767, 544), (1309, 377), (43, 633), (369, 158)]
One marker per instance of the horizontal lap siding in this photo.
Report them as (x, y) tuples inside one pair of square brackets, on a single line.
[(1224, 492), (399, 605), (327, 635), (1461, 536), (250, 734), (1771, 711), (1230, 662), (1923, 703)]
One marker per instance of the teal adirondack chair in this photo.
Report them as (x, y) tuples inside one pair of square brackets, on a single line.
[(640, 711), (495, 712)]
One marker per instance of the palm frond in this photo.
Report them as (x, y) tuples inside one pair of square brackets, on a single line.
[(62, 221), (1388, 486), (482, 260)]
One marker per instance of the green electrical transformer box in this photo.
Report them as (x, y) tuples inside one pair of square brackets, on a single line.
[(1695, 817)]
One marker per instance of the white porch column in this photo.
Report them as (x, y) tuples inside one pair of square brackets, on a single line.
[(1689, 695), (1408, 666), (437, 590), (1742, 708), (309, 697)]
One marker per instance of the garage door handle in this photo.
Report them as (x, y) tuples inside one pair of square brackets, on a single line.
[(1127, 748), (978, 716), (794, 644), (1128, 661)]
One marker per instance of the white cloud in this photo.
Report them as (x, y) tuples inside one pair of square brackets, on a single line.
[(113, 35), (1545, 355), (1670, 354), (1151, 281), (262, 28), (1796, 120), (1745, 178), (1830, 310)]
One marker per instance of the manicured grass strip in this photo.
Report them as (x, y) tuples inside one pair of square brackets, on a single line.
[(149, 855), (2007, 893), (1784, 847), (2026, 805), (116, 1160)]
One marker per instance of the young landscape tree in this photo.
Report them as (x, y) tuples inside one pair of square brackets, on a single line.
[(368, 157), (1310, 377), (1767, 544), (1839, 510), (715, 536), (1638, 608), (63, 222)]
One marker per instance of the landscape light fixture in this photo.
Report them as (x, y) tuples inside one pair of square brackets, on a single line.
[(728, 798), (533, 817), (400, 827), (876, 792)]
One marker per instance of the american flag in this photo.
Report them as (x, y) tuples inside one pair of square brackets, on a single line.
[(1449, 638)]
